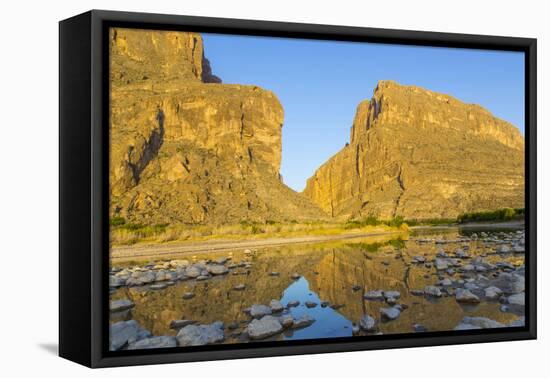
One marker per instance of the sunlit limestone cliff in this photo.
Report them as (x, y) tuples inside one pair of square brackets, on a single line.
[(186, 148), (420, 154)]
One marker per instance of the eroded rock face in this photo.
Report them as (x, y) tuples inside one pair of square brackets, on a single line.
[(140, 55), (185, 148), (420, 154)]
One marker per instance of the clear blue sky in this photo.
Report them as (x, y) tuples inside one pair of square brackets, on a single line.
[(320, 83)]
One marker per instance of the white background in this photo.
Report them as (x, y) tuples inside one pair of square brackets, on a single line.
[(29, 185)]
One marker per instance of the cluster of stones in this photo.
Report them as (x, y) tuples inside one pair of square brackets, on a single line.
[(264, 321), (468, 279), (504, 242), (471, 279), (159, 276), (274, 319), (370, 324)]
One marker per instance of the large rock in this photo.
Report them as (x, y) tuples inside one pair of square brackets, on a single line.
[(193, 271), (517, 299), (303, 321), (186, 149), (121, 305), (432, 291), (163, 276), (367, 323), (441, 264), (504, 249), (115, 281), (217, 269), (510, 283), (177, 324), (286, 320), (493, 292), (264, 327), (392, 294), (155, 342), (257, 311), (193, 335), (123, 333), (142, 278), (276, 306), (421, 154), (469, 322), (466, 296), (391, 313), (374, 295)]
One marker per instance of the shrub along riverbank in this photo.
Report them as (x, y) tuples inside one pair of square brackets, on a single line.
[(500, 215), (125, 233)]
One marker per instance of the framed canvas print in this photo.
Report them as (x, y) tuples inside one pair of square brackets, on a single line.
[(233, 188)]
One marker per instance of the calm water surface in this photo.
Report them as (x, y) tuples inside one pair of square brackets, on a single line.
[(337, 273)]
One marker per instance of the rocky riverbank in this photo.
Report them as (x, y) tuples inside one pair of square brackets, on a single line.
[(400, 288)]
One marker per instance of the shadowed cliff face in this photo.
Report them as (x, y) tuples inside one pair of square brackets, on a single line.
[(185, 148), (421, 154)]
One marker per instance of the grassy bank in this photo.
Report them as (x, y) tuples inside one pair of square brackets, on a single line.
[(500, 215), (124, 233)]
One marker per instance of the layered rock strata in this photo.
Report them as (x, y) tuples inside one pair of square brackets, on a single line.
[(186, 148), (421, 154)]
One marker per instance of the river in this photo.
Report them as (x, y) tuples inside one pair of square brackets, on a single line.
[(331, 281)]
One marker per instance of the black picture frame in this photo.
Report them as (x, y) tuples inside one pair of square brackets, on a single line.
[(83, 180)]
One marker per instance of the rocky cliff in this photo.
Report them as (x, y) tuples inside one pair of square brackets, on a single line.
[(186, 148), (420, 154)]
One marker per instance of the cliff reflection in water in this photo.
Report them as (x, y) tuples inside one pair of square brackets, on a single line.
[(337, 273)]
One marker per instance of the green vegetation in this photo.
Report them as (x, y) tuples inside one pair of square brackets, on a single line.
[(371, 247), (129, 233), (124, 232), (398, 243), (117, 221), (371, 220), (396, 221), (368, 247), (431, 222), (500, 215)]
